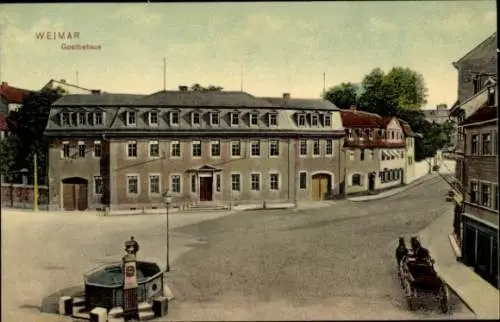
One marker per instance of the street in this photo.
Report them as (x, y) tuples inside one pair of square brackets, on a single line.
[(329, 263)]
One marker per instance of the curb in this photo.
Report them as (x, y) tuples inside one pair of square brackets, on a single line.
[(409, 186)]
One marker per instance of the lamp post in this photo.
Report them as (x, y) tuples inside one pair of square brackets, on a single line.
[(168, 200)]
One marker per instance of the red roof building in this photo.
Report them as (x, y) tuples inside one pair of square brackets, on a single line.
[(13, 95)]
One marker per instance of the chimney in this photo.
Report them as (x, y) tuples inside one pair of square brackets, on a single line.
[(95, 91), (63, 81), (183, 88), (353, 107), (286, 97)]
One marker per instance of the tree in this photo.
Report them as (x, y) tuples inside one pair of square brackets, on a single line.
[(376, 97), (406, 88), (211, 88), (343, 95)]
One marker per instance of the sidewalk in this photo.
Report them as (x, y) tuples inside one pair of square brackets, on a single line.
[(480, 296), (392, 192)]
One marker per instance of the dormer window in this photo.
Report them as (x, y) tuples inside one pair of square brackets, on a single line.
[(195, 118), (254, 119), (98, 117), (369, 133), (174, 118), (349, 134), (74, 119), (273, 119), (314, 120), (65, 119), (360, 134), (90, 118), (235, 119), (301, 120), (153, 118), (81, 118), (131, 120), (214, 118), (327, 120)]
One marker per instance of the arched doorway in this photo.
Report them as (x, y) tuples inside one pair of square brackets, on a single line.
[(371, 181), (321, 185), (75, 193)]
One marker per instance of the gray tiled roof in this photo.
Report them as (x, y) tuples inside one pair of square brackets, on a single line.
[(302, 103), (104, 99)]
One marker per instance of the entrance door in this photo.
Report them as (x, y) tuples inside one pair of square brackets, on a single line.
[(371, 181), (321, 184), (206, 188), (75, 194)]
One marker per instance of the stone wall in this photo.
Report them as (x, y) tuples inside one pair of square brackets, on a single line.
[(21, 196)]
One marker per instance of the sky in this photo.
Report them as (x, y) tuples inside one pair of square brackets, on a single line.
[(274, 47)]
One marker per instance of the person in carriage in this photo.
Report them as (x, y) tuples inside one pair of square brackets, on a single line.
[(420, 253)]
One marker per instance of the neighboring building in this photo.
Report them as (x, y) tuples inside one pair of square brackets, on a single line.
[(410, 151), (480, 208), (68, 88), (11, 98), (440, 115), (374, 152), (123, 151), (3, 127)]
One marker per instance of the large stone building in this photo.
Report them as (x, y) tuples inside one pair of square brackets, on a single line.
[(374, 152), (124, 151), (438, 115)]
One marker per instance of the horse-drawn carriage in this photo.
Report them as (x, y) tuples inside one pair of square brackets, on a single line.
[(417, 275)]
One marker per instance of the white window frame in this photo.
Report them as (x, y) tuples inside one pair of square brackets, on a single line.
[(150, 176), (82, 118), (193, 143), (327, 120), (271, 176), (233, 143), (171, 118), (306, 182), (193, 114), (478, 191), (314, 120), (306, 141), (171, 181), (172, 143), (301, 119), (212, 143), (99, 116), (150, 118), (316, 155), (68, 119), (97, 143), (260, 181), (129, 176), (271, 144), (273, 116), (489, 186), (80, 144), (94, 184), (234, 116), (351, 155), (349, 134), (153, 142), (194, 183), (252, 115), (361, 181), (326, 147), (129, 116), (232, 181), (214, 116), (127, 150), (65, 144), (251, 149)]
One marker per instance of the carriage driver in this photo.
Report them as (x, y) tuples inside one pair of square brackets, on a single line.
[(421, 254)]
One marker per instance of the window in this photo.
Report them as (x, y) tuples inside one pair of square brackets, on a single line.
[(314, 120), (154, 184), (486, 144), (81, 149), (474, 144), (254, 119), (392, 135), (274, 148), (301, 120), (474, 192), (90, 118), (154, 149), (356, 179), (65, 119), (81, 118), (371, 154), (495, 196), (132, 149), (195, 118), (196, 148), (273, 119), (255, 149), (65, 149), (328, 146), (153, 118), (410, 160), (193, 183), (74, 119), (316, 147), (327, 120), (235, 119), (303, 147), (174, 118), (98, 116), (175, 183), (132, 184), (98, 185), (235, 148), (255, 181), (235, 182), (351, 155), (214, 118), (215, 148), (274, 181), (217, 182), (349, 134), (97, 149), (131, 118), (486, 195), (369, 133), (175, 149), (302, 180)]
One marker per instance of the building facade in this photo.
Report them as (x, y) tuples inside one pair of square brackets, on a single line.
[(124, 151), (409, 136), (439, 115), (479, 220), (374, 150), (68, 87)]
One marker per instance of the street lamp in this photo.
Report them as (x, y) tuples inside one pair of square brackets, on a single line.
[(168, 200)]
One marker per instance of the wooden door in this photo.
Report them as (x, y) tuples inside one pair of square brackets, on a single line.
[(81, 196), (206, 188), (69, 202), (320, 186)]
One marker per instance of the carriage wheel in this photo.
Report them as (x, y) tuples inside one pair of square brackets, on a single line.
[(444, 298), (409, 293)]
